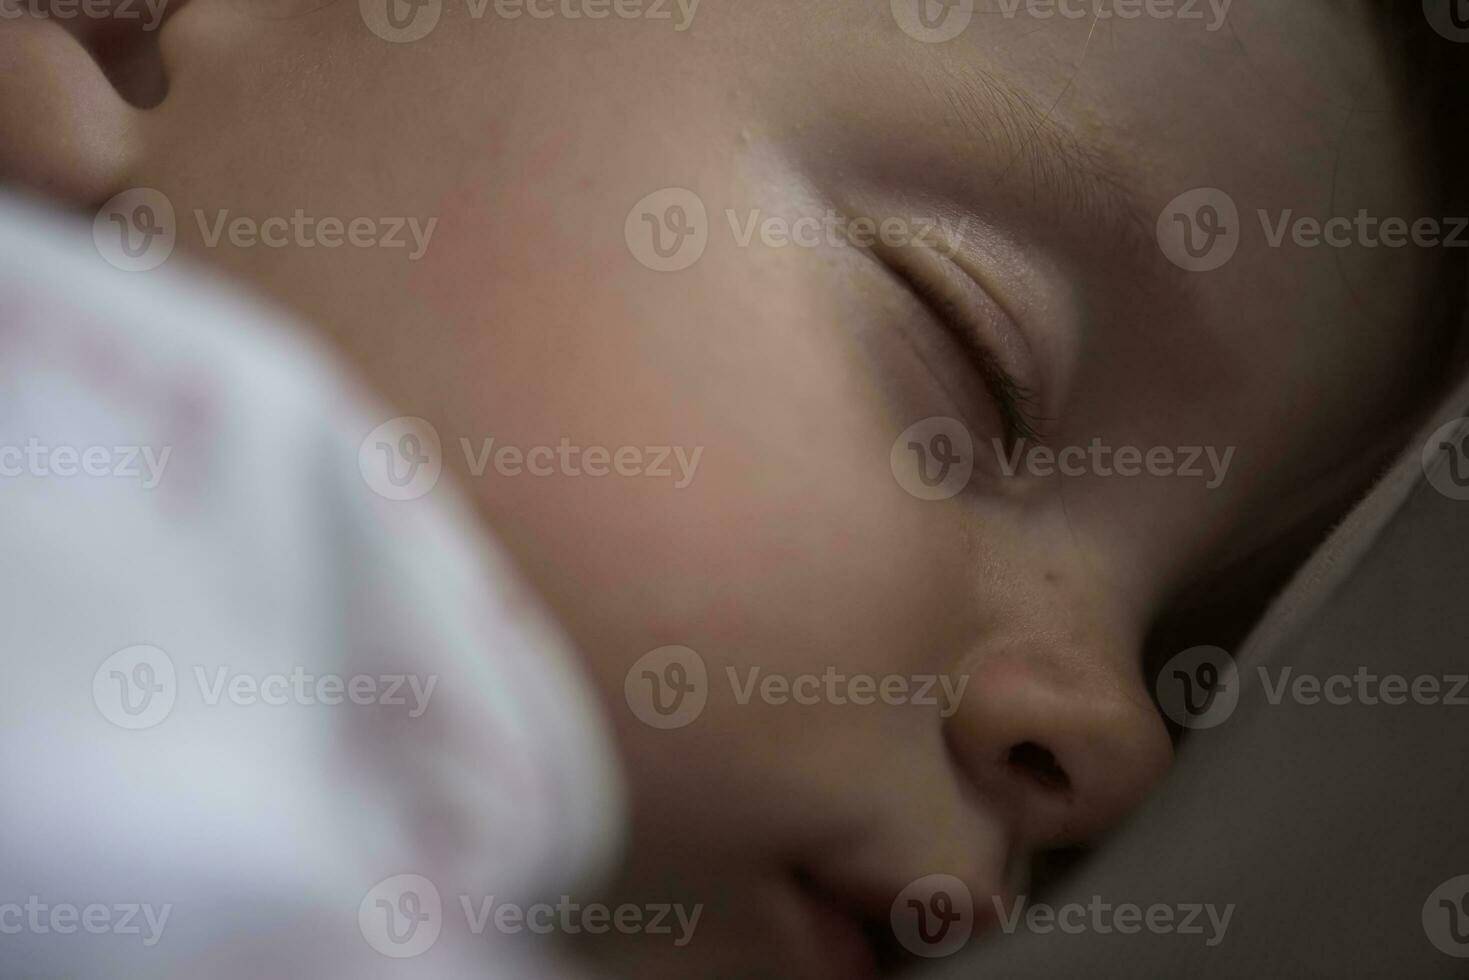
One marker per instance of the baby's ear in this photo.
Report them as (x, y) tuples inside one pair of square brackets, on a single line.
[(67, 129)]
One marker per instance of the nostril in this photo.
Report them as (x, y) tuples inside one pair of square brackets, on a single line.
[(1036, 762), (125, 47), (134, 66)]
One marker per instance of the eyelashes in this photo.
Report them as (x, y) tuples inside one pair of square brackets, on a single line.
[(1016, 403)]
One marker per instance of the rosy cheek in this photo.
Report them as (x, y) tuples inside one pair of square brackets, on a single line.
[(474, 245)]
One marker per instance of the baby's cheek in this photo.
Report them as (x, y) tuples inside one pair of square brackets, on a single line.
[(742, 502), (760, 518)]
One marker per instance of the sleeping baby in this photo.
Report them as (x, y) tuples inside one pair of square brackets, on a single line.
[(693, 491)]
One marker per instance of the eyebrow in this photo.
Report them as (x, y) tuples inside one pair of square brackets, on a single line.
[(1072, 177)]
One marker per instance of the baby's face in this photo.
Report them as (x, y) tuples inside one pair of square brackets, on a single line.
[(1021, 292)]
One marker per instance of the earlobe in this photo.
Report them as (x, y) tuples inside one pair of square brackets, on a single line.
[(65, 130)]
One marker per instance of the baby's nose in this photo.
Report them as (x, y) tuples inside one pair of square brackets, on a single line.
[(1061, 738)]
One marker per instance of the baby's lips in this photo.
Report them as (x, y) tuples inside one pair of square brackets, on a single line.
[(838, 939), (931, 916)]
